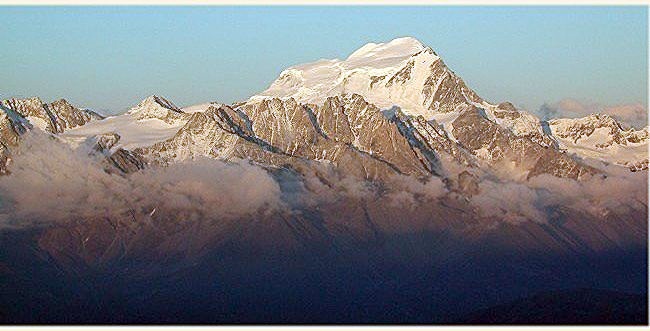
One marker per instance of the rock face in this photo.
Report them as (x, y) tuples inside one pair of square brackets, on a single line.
[(443, 91), (12, 125), (431, 139), (126, 161), (67, 116), (345, 131), (495, 144), (117, 158), (55, 117), (346, 128), (104, 142), (17, 116)]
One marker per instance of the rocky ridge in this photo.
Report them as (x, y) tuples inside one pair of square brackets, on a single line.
[(18, 116), (389, 108)]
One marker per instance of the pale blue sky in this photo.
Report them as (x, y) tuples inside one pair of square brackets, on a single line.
[(108, 58)]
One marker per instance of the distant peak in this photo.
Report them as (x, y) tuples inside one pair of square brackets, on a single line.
[(161, 101), (156, 107), (154, 101), (397, 47)]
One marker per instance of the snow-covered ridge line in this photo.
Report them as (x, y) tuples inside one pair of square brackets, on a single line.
[(406, 74), (376, 71), (401, 76), (600, 136)]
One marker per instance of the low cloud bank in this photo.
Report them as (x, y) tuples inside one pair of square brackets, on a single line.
[(620, 191), (50, 182)]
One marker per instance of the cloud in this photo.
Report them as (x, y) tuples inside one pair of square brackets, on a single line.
[(509, 201), (620, 191), (635, 115), (407, 191), (52, 183)]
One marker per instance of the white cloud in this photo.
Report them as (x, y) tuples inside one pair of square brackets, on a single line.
[(52, 183)]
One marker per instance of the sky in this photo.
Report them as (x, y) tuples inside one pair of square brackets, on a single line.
[(109, 58)]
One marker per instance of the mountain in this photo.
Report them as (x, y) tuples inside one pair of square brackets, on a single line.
[(154, 119), (388, 111), (12, 125), (55, 117), (379, 188), (407, 75), (601, 137), (402, 73), (424, 106), (395, 105), (155, 107), (389, 108), (22, 115)]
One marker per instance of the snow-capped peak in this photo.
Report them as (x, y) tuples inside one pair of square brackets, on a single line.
[(153, 102), (156, 107), (153, 119), (402, 72), (400, 47)]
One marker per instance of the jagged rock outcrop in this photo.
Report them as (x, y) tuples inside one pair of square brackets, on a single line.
[(12, 125), (17, 116), (345, 131), (443, 91), (636, 166), (104, 142), (498, 146), (127, 161), (55, 117), (430, 139), (124, 160), (68, 116)]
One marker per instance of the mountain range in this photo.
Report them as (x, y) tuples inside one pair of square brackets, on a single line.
[(385, 162), (388, 108)]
